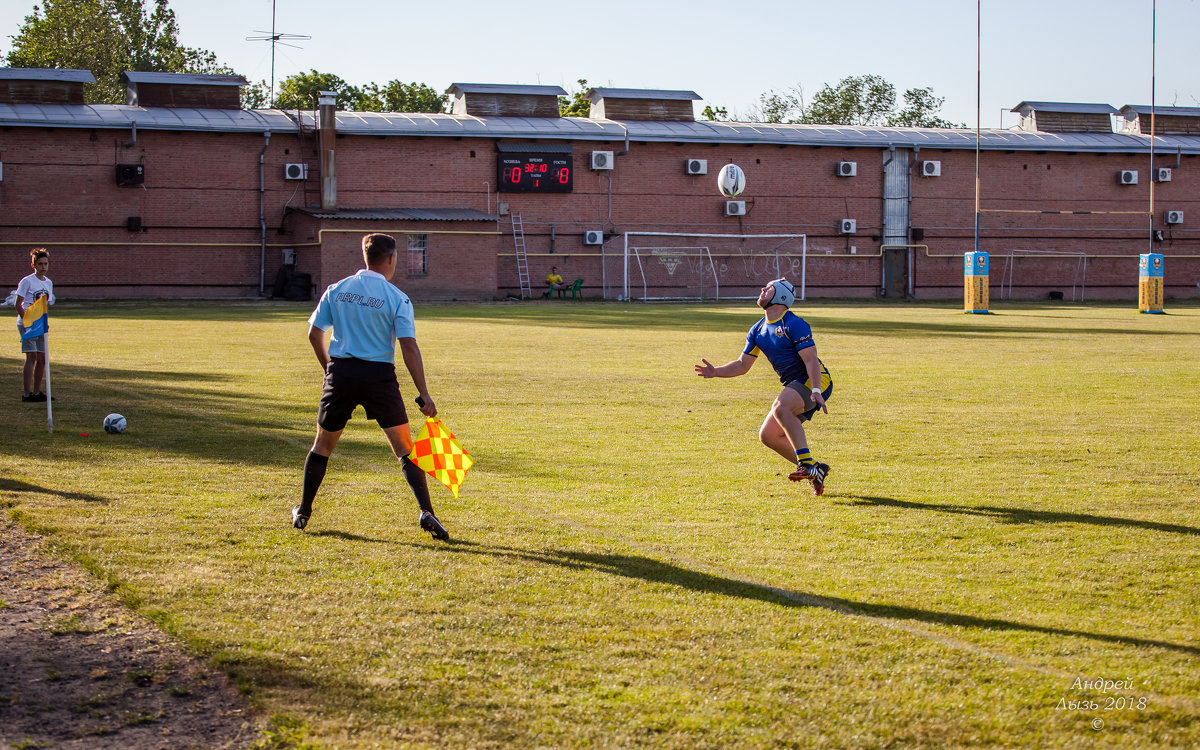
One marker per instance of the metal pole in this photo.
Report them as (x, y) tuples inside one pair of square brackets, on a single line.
[(49, 392), (978, 105), (1153, 47)]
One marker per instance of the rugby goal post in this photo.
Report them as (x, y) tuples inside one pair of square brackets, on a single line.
[(684, 265)]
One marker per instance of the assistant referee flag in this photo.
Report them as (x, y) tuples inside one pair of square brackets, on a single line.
[(36, 320), (437, 452)]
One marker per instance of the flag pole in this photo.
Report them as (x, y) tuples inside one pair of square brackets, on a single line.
[(49, 397)]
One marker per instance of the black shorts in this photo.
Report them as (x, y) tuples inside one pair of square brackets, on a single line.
[(351, 382), (804, 388)]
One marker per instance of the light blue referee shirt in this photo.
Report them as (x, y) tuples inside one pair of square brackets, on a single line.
[(367, 314)]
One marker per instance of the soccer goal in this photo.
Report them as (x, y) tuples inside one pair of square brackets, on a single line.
[(679, 266)]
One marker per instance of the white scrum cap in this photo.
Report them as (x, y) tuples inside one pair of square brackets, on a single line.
[(785, 293)]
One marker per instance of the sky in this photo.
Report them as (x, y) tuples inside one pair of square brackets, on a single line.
[(729, 52)]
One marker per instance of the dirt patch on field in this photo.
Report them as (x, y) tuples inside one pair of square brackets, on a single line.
[(79, 670)]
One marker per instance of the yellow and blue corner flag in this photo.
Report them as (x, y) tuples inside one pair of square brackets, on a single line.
[(36, 320), (437, 452)]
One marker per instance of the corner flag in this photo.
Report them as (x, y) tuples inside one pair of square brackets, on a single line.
[(36, 320), (438, 453)]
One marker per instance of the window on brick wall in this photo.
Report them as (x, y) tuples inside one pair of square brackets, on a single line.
[(418, 254)]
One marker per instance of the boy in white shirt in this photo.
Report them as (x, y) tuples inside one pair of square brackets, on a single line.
[(35, 285)]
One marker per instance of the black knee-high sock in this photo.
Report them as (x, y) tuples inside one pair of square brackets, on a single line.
[(416, 480), (314, 472)]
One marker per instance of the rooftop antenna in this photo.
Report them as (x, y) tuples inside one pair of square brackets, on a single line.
[(276, 38)]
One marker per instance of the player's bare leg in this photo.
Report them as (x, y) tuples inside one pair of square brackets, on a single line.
[(772, 435), (786, 412)]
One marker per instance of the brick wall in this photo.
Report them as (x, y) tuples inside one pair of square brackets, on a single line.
[(199, 209)]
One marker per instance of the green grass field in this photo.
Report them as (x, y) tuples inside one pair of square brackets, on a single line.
[(1013, 513)]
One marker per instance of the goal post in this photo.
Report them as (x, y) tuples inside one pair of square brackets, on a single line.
[(685, 265)]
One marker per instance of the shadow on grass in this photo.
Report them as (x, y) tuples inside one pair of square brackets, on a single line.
[(14, 485), (1022, 515), (654, 571), (187, 414)]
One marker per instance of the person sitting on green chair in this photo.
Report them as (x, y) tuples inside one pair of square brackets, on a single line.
[(555, 282)]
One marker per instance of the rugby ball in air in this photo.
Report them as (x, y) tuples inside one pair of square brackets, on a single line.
[(115, 424), (731, 180)]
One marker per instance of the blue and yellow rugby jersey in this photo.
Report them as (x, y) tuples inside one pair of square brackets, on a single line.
[(781, 341)]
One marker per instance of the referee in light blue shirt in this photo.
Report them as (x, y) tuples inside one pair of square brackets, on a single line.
[(368, 316)]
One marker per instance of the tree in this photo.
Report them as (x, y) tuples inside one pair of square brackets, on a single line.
[(256, 96), (107, 37), (578, 105), (711, 113), (867, 100), (778, 106), (397, 96), (920, 111), (855, 100), (301, 91)]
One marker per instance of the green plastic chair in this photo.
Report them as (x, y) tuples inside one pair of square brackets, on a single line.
[(574, 289)]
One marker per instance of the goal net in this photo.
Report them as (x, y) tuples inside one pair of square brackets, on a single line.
[(678, 266), (1034, 270)]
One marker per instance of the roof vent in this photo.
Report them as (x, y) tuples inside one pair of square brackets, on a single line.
[(497, 100), (653, 105), (43, 85), (1065, 117), (183, 90), (1167, 120)]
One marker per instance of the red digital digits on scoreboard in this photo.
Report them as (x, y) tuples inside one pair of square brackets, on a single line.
[(534, 173)]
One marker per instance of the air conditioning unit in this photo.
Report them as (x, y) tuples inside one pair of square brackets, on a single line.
[(847, 226), (295, 171), (1174, 217), (130, 174), (735, 208), (931, 169), (593, 237), (601, 160), (696, 166), (1162, 174), (1127, 177), (847, 169)]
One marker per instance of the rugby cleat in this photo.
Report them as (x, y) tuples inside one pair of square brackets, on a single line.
[(299, 520), (814, 473), (430, 523)]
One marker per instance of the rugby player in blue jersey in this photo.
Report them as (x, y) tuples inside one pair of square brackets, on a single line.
[(788, 344), (368, 315)]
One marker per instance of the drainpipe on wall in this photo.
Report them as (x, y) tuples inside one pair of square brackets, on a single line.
[(262, 218), (327, 107)]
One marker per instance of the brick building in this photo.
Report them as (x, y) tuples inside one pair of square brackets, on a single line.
[(180, 193)]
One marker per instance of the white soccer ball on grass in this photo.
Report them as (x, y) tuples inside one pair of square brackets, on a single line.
[(115, 423)]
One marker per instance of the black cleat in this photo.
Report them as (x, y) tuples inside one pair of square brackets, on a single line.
[(430, 523), (298, 519)]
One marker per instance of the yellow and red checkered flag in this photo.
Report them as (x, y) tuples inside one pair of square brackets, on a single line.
[(437, 453)]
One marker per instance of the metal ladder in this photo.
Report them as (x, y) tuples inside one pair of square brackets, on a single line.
[(518, 230)]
